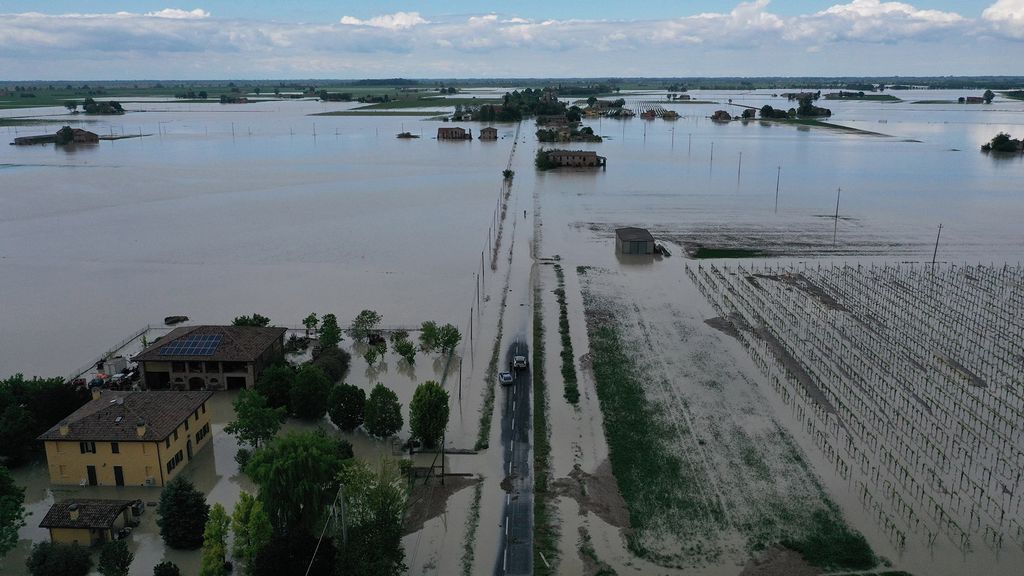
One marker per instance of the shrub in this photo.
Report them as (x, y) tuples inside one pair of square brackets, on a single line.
[(182, 514), (115, 558), (56, 559), (309, 393), (275, 384), (166, 569)]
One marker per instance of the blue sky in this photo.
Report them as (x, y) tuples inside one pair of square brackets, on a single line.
[(165, 39)]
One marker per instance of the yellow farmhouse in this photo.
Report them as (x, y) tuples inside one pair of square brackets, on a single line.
[(88, 521), (128, 438)]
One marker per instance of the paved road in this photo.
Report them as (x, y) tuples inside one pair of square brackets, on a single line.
[(517, 542)]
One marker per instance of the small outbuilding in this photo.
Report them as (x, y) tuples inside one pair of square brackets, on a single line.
[(88, 521), (633, 241), (489, 133)]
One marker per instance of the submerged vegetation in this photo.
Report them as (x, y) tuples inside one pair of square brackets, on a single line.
[(1002, 142), (572, 390), (545, 533)]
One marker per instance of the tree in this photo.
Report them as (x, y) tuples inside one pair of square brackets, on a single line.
[(181, 514), (334, 362), (252, 529), (399, 336), (255, 421), (56, 559), (448, 337), (71, 105), (383, 412), (297, 479), (115, 558), (290, 553), (346, 406), (428, 412), (330, 332), (309, 393), (254, 320), (375, 352), (406, 350), (310, 322), (988, 96), (17, 433), (30, 407), (275, 384), (215, 537), (12, 511), (591, 101), (365, 324), (428, 336), (166, 568), (375, 504)]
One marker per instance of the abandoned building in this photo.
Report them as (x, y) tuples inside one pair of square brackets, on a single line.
[(454, 133), (577, 158), (489, 133), (633, 241)]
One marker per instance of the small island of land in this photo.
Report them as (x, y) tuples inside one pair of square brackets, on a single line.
[(1003, 143)]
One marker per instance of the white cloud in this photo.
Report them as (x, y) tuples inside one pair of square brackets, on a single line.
[(1006, 17), (396, 21), (178, 14), (874, 21)]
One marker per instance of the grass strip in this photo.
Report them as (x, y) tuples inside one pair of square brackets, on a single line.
[(487, 410), (600, 567), (572, 390), (427, 102), (472, 523), (545, 533), (831, 544), (820, 124)]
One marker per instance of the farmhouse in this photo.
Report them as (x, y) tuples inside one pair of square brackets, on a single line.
[(577, 158), (489, 133), (454, 133), (209, 357), (87, 521), (128, 438), (633, 241), (78, 136)]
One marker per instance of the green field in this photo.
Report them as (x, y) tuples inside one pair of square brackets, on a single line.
[(422, 113)]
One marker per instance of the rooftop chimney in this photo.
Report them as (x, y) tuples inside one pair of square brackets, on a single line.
[(140, 428), (65, 428), (96, 393), (73, 511)]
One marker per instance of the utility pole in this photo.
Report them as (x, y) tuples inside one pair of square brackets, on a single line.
[(936, 251), (778, 178), (835, 228)]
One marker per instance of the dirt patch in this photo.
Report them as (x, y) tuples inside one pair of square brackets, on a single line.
[(597, 493), (801, 282), (779, 561), (431, 500)]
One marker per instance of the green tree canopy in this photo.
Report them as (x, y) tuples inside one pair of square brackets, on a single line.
[(12, 511), (346, 406), (375, 504), (252, 529), (428, 336), (254, 320), (310, 392), (406, 350), (448, 337), (115, 558), (56, 559), (166, 568), (366, 323), (181, 514), (334, 362), (428, 412), (255, 421), (311, 322), (297, 478), (30, 407), (275, 384), (383, 412), (215, 539), (330, 332)]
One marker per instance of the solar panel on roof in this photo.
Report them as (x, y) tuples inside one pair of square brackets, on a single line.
[(193, 345)]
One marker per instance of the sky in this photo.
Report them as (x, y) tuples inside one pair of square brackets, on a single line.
[(221, 39)]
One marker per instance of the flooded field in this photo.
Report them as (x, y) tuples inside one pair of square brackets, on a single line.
[(227, 210)]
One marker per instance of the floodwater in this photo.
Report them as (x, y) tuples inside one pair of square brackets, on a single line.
[(229, 210)]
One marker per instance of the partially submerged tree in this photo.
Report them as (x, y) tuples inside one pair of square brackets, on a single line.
[(406, 350), (346, 406), (181, 514), (428, 413), (255, 421), (330, 332), (365, 324), (275, 384), (448, 337), (428, 336), (310, 322), (383, 412), (252, 529), (375, 505)]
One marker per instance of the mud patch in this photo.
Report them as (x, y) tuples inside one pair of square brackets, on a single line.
[(597, 493), (429, 501), (779, 561), (724, 325)]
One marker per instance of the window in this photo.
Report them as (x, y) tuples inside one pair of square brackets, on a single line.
[(177, 366), (167, 443), (204, 407), (175, 434), (87, 447), (195, 415), (203, 432), (115, 448), (186, 424)]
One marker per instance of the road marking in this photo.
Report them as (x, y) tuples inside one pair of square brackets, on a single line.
[(513, 424), (510, 467), (508, 499), (513, 408), (504, 563)]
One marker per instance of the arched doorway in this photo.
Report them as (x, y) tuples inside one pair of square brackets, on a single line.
[(196, 383)]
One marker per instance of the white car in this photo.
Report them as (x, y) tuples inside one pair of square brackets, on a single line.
[(505, 378)]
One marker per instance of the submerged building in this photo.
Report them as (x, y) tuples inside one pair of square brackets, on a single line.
[(88, 521), (633, 241), (577, 158)]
